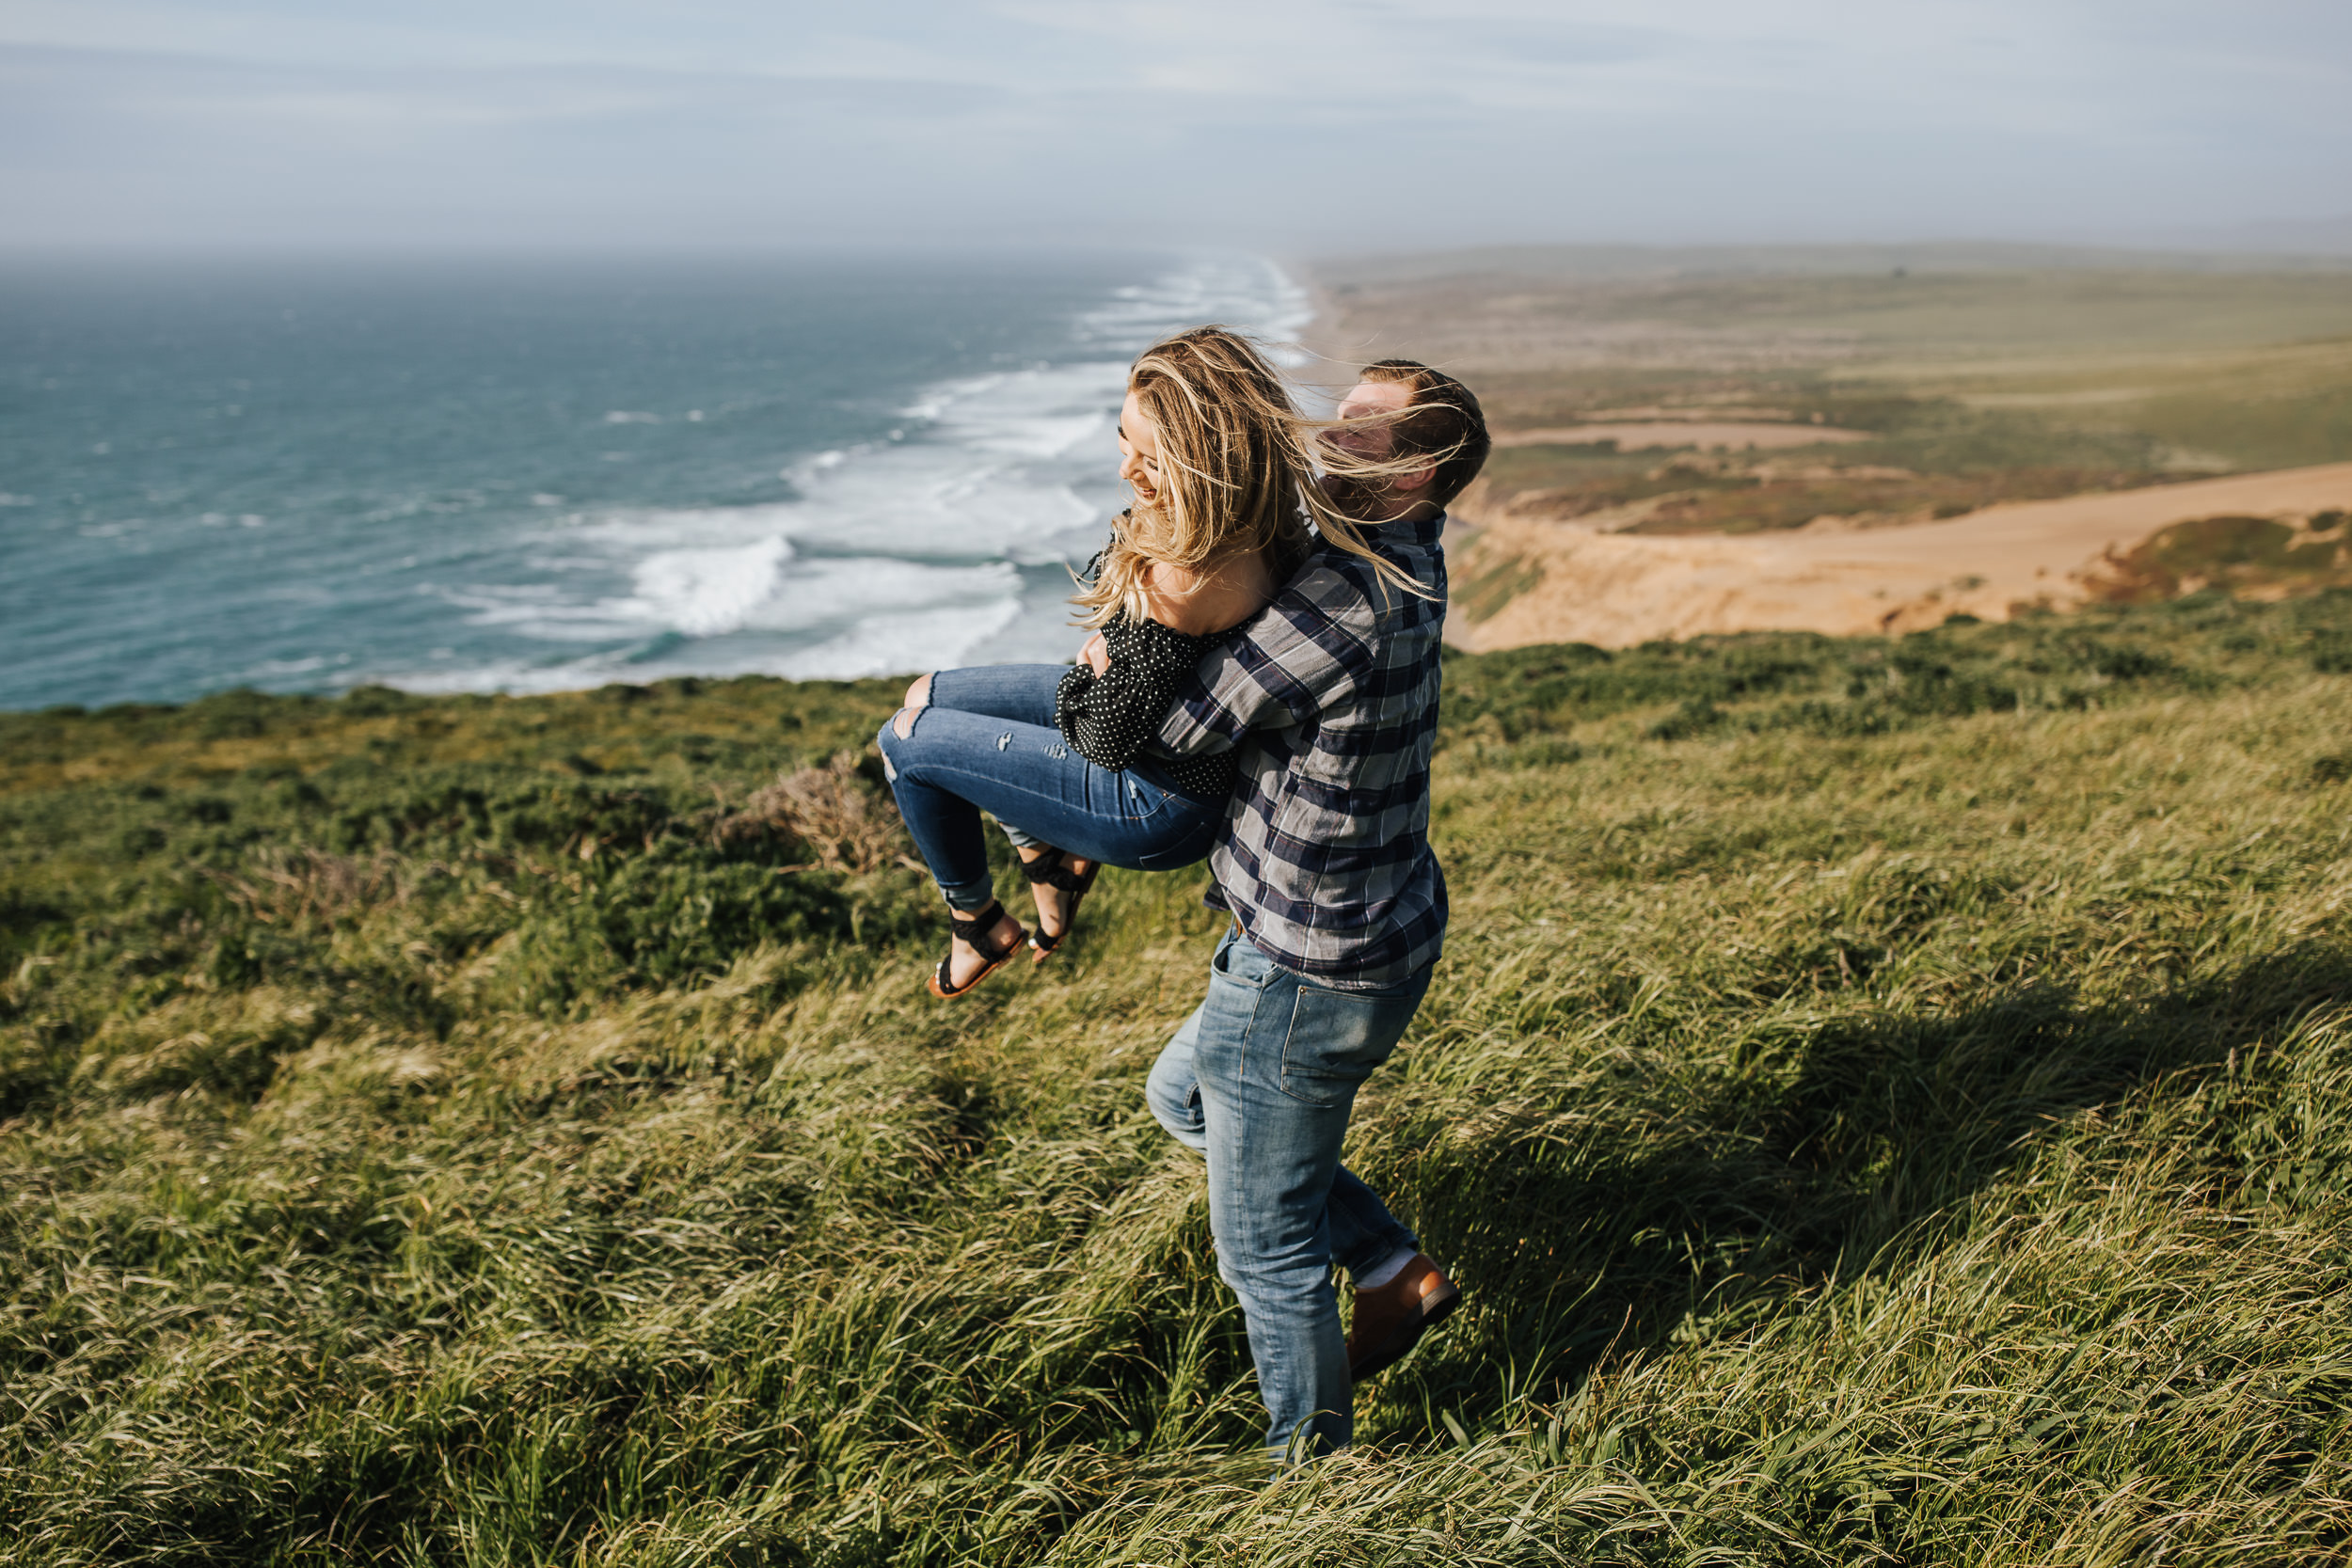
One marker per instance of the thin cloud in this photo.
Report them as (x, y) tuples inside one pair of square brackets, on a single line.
[(1309, 122)]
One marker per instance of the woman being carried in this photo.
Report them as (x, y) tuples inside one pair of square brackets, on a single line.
[(1223, 468)]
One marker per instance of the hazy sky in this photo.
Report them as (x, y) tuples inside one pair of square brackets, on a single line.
[(1402, 124)]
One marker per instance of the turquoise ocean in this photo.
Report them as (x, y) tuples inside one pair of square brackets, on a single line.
[(530, 476)]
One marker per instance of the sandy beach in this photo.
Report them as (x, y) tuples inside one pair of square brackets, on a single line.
[(1614, 590)]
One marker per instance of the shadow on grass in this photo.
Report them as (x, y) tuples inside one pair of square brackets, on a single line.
[(1777, 1183)]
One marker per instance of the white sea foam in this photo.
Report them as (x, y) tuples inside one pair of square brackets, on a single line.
[(901, 641), (704, 593), (279, 668), (831, 594), (1248, 293), (831, 618), (899, 554)]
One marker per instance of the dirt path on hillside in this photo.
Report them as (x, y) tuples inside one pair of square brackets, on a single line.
[(1574, 585), (1708, 435)]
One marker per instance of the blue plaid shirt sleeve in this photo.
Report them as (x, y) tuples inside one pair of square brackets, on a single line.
[(1292, 661)]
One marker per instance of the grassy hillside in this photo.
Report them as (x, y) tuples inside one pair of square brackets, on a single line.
[(1973, 383), (1886, 1102)]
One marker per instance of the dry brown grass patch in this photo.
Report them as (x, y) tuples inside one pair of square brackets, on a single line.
[(833, 810), (290, 887)]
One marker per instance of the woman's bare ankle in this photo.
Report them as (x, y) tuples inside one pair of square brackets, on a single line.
[(1042, 895), (965, 961)]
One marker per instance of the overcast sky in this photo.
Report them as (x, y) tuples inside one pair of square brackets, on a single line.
[(1284, 124)]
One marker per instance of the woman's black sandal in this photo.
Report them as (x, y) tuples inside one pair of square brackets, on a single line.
[(974, 930), (1049, 870)]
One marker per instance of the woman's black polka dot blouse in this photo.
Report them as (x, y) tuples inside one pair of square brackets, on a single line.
[(1108, 717)]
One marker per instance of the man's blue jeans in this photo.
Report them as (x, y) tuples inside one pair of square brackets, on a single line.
[(988, 742), (1261, 1080)]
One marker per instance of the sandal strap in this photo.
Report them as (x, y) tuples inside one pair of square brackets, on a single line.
[(1041, 869), (1049, 870), (974, 930)]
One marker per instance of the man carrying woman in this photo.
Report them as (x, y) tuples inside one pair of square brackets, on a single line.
[(1319, 711)]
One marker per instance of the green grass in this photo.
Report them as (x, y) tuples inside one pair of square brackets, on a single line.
[(1996, 314), (2244, 555), (1886, 1102), (1927, 457), (1982, 384)]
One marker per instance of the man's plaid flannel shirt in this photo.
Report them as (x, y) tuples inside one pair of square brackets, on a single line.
[(1330, 696)]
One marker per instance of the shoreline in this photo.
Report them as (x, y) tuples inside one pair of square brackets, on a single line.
[(826, 475)]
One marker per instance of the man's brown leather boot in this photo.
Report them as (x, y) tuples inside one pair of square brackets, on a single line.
[(1391, 1318)]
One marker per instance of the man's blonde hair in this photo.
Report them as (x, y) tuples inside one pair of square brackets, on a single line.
[(1238, 471)]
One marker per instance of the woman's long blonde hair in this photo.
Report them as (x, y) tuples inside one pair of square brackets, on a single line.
[(1239, 468)]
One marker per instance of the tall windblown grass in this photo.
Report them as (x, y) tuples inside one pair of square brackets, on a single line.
[(1885, 1102)]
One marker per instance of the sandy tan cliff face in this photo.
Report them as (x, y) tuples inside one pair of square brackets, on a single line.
[(1521, 580)]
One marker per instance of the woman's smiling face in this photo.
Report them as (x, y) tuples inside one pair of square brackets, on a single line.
[(1139, 452)]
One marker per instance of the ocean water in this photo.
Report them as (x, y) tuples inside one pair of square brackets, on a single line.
[(533, 477)]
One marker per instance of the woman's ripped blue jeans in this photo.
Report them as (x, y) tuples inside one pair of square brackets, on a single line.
[(987, 742)]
